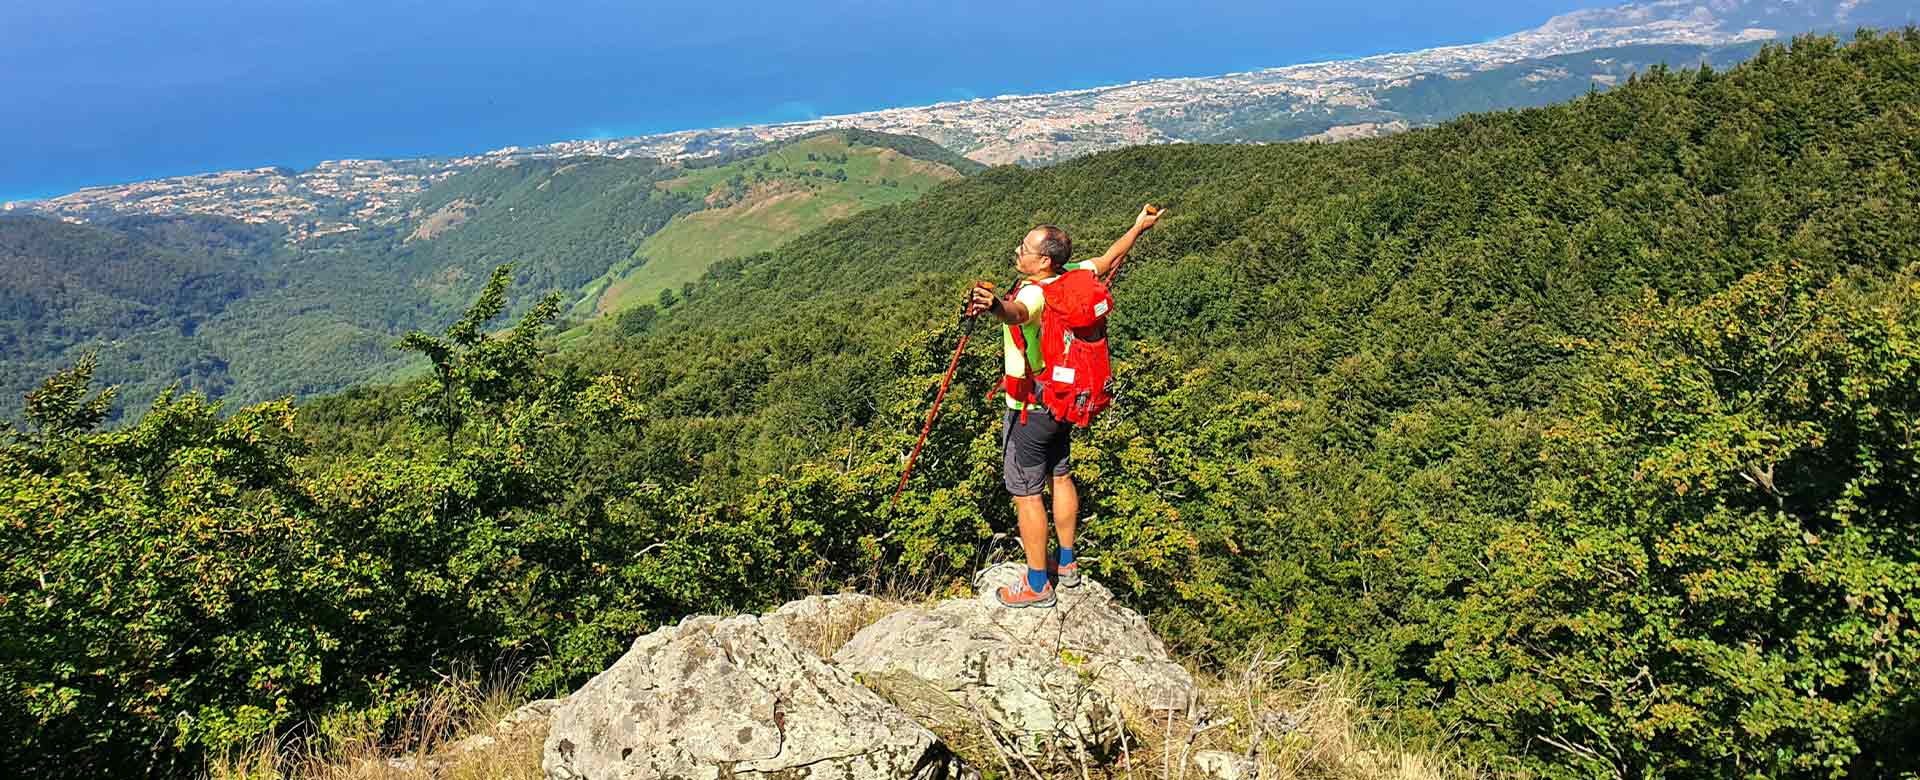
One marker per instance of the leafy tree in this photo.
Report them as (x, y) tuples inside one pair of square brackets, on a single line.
[(637, 320), (60, 409), (472, 367), (169, 593)]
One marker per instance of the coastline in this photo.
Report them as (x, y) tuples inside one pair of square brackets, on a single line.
[(712, 123), (1339, 96)]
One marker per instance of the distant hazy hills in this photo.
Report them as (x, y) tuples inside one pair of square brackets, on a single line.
[(234, 310), (1789, 16)]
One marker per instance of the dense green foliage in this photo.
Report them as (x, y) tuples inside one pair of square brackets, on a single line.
[(1718, 569), (1587, 433), (231, 311), (1545, 81), (560, 222)]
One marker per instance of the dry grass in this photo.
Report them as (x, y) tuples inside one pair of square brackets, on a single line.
[(1269, 725), (921, 586), (836, 633), (1319, 728), (824, 631), (447, 218), (449, 735)]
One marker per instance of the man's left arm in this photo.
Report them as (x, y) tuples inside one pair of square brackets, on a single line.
[(1141, 224)]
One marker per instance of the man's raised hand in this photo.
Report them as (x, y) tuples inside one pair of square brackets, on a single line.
[(1149, 215)]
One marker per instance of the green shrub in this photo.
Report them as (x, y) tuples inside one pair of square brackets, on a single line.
[(1717, 573)]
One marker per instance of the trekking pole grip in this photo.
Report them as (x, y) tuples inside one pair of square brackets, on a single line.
[(968, 318)]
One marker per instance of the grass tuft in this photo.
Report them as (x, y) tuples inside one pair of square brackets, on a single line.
[(449, 734)]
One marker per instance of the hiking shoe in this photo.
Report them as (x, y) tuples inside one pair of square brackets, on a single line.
[(1069, 575), (1020, 596)]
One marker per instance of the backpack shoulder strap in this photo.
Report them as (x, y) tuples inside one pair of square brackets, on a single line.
[(1019, 334)]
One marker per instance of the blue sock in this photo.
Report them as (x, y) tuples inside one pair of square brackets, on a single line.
[(1066, 555), (1037, 579)]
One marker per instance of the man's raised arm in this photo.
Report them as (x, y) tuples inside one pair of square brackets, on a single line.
[(1141, 224)]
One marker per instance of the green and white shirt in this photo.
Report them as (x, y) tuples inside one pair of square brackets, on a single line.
[(1032, 296)]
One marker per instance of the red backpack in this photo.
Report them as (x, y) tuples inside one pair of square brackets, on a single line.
[(1075, 381)]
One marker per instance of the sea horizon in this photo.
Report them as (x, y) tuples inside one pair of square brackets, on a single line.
[(374, 141)]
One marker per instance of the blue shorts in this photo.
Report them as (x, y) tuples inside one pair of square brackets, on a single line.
[(1035, 451)]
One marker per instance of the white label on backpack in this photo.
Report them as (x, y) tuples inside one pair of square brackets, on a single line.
[(1063, 375), (1100, 309)]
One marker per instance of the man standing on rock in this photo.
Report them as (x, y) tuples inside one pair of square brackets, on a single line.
[(1035, 444)]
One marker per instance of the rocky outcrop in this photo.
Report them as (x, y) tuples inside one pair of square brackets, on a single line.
[(1043, 678), (850, 687), (734, 698)]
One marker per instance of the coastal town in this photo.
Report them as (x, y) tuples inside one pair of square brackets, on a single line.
[(346, 195)]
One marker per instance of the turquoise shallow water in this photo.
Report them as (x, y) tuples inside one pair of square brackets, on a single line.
[(122, 90)]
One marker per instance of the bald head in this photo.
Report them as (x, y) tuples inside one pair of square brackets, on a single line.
[(1052, 242)]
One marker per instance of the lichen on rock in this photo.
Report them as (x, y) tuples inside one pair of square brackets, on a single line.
[(712, 698), (1044, 679), (849, 687)]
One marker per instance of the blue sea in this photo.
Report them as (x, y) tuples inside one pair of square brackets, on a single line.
[(105, 91)]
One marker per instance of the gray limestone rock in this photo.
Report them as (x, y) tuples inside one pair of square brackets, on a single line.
[(533, 714), (1043, 678), (712, 698), (1221, 765)]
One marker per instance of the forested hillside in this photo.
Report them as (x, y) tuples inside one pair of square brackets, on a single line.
[(136, 291), (1428, 98), (1586, 434), (225, 308), (1531, 83)]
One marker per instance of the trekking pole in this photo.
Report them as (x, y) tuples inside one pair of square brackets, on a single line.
[(966, 332)]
